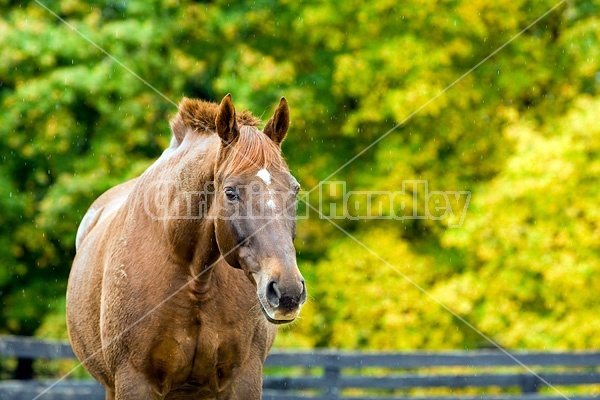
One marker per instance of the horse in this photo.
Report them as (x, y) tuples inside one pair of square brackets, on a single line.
[(182, 275)]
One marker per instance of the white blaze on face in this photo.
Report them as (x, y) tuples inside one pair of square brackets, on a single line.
[(265, 176), (270, 204)]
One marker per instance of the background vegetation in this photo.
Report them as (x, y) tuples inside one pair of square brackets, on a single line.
[(520, 132)]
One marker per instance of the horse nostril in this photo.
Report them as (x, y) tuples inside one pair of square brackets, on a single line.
[(273, 294), (303, 292)]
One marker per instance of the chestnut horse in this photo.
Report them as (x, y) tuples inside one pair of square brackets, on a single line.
[(182, 274)]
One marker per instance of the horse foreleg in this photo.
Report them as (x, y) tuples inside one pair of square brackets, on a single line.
[(110, 394), (247, 385), (132, 385)]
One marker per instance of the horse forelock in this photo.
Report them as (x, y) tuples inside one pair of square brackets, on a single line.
[(250, 152), (199, 116)]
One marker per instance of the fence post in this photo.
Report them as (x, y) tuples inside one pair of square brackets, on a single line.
[(530, 384), (24, 370), (332, 377)]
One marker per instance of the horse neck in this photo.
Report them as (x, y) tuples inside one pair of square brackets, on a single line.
[(181, 205)]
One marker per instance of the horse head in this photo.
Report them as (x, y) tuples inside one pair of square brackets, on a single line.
[(255, 222)]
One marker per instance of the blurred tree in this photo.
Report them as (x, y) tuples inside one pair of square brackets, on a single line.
[(73, 124)]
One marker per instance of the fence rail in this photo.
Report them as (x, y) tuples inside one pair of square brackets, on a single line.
[(328, 374)]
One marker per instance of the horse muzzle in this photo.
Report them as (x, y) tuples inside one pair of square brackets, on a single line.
[(281, 300)]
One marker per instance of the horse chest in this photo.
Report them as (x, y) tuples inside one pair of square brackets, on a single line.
[(219, 355), (204, 349)]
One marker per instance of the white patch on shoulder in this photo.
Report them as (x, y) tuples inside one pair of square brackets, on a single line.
[(264, 175), (270, 204)]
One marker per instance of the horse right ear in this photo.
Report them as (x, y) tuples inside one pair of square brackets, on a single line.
[(227, 128)]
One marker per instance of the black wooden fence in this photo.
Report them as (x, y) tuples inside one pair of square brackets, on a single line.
[(326, 374)]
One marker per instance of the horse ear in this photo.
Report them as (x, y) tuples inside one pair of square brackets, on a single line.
[(227, 128), (277, 127)]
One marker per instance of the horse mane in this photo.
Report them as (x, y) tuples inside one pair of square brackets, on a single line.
[(251, 151), (198, 115)]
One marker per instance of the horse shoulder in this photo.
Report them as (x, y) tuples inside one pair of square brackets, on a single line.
[(104, 206)]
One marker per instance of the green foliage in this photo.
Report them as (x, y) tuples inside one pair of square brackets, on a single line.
[(519, 132), (534, 235)]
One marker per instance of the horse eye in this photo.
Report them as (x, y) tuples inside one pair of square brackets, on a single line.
[(231, 194)]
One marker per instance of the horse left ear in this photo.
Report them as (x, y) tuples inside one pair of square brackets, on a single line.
[(277, 127), (226, 122)]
